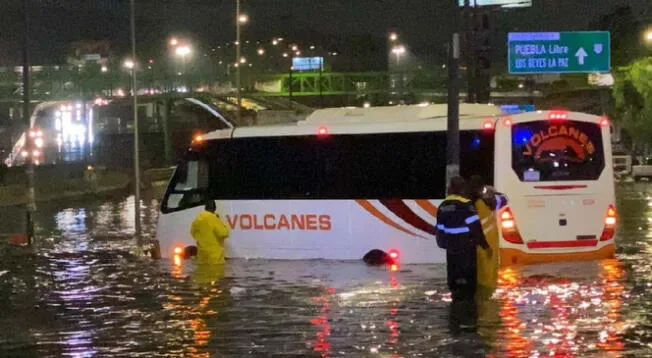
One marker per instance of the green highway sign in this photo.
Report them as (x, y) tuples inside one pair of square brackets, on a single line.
[(559, 52)]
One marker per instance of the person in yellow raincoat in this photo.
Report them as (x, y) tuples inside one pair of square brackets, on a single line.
[(210, 232), (487, 202)]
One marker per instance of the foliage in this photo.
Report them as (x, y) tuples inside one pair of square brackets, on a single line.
[(632, 93), (632, 71)]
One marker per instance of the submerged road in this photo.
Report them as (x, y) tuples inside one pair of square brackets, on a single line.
[(88, 293)]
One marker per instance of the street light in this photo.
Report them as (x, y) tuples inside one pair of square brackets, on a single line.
[(174, 41), (129, 64), (393, 36), (261, 51), (105, 69), (243, 18), (398, 51), (648, 36), (183, 51)]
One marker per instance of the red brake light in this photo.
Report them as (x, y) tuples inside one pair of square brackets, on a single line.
[(198, 139), (558, 115), (178, 250), (488, 125), (604, 121), (507, 122), (610, 221), (508, 227), (322, 131), (393, 253)]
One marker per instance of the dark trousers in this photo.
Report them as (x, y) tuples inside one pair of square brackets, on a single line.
[(462, 276)]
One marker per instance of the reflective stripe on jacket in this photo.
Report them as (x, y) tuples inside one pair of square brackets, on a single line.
[(458, 226)]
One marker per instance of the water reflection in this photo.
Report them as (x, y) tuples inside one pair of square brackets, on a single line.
[(89, 292), (558, 316)]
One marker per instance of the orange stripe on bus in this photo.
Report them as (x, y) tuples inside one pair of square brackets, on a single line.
[(382, 217), (429, 207)]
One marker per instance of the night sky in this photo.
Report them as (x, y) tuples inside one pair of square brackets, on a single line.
[(423, 24)]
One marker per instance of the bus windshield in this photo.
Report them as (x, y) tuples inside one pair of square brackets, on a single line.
[(557, 151), (188, 186)]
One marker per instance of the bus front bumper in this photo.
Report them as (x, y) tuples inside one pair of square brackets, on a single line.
[(515, 257)]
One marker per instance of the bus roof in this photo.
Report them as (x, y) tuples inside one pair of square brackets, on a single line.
[(395, 119), (397, 113), (413, 118)]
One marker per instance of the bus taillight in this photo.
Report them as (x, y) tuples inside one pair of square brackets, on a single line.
[(609, 224), (393, 253), (508, 227), (557, 115), (322, 131), (604, 121)]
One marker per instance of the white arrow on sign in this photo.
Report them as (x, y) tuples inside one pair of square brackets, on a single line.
[(581, 55)]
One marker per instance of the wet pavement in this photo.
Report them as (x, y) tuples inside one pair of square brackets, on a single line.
[(88, 292)]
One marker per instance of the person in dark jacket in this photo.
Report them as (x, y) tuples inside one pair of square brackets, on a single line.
[(459, 232)]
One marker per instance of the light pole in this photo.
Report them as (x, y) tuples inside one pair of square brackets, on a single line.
[(130, 65), (398, 51), (134, 94), (184, 52), (31, 196), (240, 19)]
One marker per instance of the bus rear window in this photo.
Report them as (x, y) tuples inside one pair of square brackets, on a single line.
[(557, 151)]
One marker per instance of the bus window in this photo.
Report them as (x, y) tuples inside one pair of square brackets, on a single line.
[(557, 151), (188, 186)]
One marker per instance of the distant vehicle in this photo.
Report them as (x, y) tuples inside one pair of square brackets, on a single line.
[(642, 170), (622, 164), (349, 180)]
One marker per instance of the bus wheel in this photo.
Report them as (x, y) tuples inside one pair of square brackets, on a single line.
[(377, 257)]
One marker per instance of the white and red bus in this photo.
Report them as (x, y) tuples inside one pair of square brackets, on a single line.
[(349, 180)]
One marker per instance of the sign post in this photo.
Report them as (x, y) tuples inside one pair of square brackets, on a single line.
[(559, 52)]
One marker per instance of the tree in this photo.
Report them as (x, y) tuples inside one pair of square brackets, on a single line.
[(632, 71), (627, 43), (632, 93)]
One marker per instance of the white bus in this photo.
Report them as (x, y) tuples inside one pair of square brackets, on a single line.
[(349, 180)]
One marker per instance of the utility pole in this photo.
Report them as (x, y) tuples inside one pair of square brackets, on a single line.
[(453, 129), (31, 196), (470, 50), (321, 88), (135, 108), (237, 59)]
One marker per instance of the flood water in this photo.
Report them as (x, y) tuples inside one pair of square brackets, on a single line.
[(89, 292)]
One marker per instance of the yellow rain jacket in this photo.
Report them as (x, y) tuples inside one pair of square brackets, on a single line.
[(487, 265), (210, 232)]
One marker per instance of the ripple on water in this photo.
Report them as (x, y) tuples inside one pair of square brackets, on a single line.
[(88, 292)]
